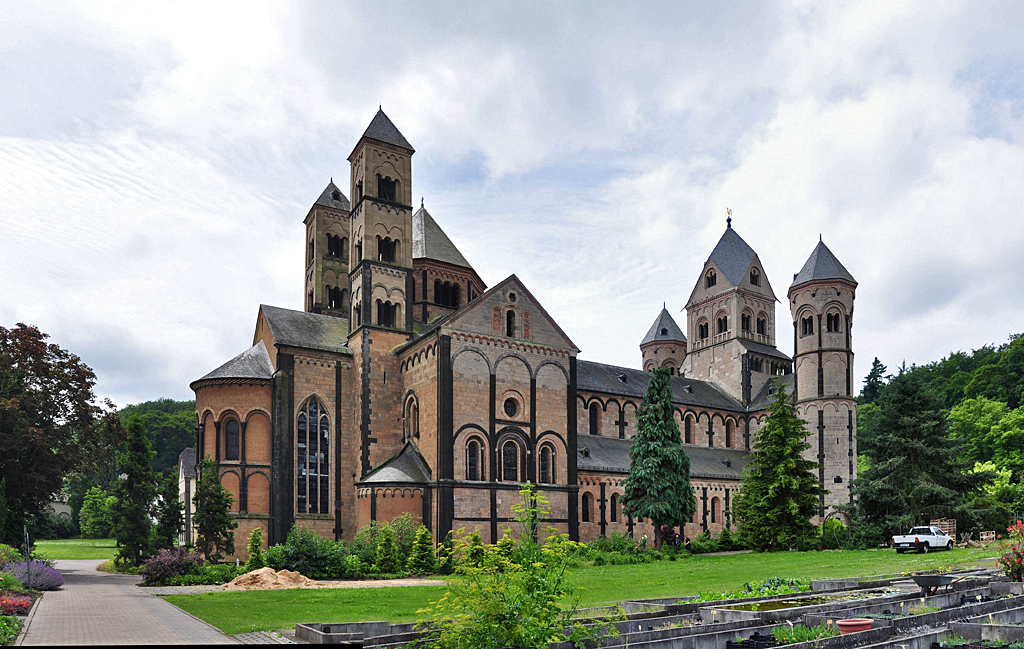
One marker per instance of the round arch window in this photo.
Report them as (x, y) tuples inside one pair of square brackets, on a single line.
[(511, 407)]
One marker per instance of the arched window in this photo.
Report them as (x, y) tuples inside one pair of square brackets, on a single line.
[(231, 436), (412, 419), (745, 322), (387, 250), (312, 252), (755, 277), (336, 195), (473, 463), (710, 279), (594, 419), (723, 325), (388, 314), (386, 187), (456, 294), (728, 433), (615, 508), (313, 431), (343, 249), (588, 503), (832, 322), (510, 323), (762, 326), (686, 428), (547, 464), (703, 330), (714, 510), (510, 461), (807, 326)]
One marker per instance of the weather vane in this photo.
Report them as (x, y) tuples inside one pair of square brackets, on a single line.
[(728, 217)]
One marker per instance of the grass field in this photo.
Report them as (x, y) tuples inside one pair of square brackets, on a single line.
[(77, 549), (240, 612)]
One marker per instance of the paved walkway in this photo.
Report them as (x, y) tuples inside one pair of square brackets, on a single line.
[(98, 608)]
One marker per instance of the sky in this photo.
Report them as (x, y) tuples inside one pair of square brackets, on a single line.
[(157, 161)]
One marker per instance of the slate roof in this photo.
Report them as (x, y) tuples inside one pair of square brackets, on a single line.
[(733, 256), (596, 453), (407, 466), (759, 348), (187, 462), (383, 130), (763, 399), (308, 330), (664, 328), (327, 198), (626, 381), (253, 363), (429, 240), (822, 265)]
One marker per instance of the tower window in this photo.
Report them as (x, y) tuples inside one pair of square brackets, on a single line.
[(387, 250), (710, 279), (594, 419), (510, 323), (664, 331), (388, 314), (702, 330), (807, 326), (386, 188), (359, 190), (723, 325), (762, 327), (745, 322), (231, 440), (412, 419), (336, 195), (473, 464), (832, 322), (755, 277), (447, 294), (312, 252)]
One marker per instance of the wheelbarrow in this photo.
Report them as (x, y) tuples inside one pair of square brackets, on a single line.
[(930, 584)]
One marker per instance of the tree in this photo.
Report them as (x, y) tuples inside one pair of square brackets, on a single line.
[(213, 522), (257, 558), (972, 421), (170, 426), (873, 383), (658, 486), (170, 515), (134, 494), (778, 493), (422, 560), (96, 516), (50, 424), (389, 561), (915, 465)]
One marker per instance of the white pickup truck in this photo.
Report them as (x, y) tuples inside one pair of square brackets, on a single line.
[(922, 539)]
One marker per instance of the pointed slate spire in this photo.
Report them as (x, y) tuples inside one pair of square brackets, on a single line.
[(333, 197), (822, 265), (429, 240), (732, 255), (383, 130), (664, 328)]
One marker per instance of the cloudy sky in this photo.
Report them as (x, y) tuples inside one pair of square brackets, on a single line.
[(156, 162)]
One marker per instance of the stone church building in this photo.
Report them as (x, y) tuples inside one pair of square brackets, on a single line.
[(406, 385)]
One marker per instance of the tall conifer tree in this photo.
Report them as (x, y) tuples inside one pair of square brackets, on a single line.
[(778, 493), (134, 496), (215, 527), (658, 486)]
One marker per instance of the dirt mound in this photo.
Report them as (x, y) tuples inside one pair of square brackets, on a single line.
[(269, 579)]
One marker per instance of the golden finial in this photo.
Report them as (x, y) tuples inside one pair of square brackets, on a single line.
[(728, 217)]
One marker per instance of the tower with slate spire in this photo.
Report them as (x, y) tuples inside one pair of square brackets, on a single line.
[(664, 345), (327, 254), (731, 322), (821, 303)]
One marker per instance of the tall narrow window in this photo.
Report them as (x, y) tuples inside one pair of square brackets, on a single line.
[(728, 433), (313, 464), (473, 460), (762, 327), (807, 326), (755, 277), (710, 279), (301, 457), (594, 419), (510, 461), (510, 323), (686, 436), (745, 322), (547, 464), (231, 440), (386, 187), (615, 508), (587, 505), (343, 249), (313, 431), (387, 250)]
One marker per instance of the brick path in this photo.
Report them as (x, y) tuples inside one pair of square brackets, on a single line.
[(99, 608)]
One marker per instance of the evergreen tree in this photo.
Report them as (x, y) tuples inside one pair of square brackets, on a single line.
[(389, 561), (915, 464), (422, 560), (214, 524), (778, 493), (658, 486), (133, 504), (95, 517), (170, 515), (873, 383), (257, 557)]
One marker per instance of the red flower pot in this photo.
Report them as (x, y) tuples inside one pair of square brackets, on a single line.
[(853, 625)]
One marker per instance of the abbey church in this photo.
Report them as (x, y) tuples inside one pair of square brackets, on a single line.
[(407, 385)]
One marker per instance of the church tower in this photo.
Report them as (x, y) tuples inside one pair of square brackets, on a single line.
[(821, 302), (664, 345), (327, 254), (380, 284)]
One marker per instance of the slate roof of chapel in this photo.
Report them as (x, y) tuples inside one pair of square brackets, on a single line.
[(822, 265), (253, 363), (733, 256), (383, 130), (629, 382), (406, 467), (327, 198), (664, 321), (597, 453), (429, 241), (764, 396), (307, 330), (760, 348)]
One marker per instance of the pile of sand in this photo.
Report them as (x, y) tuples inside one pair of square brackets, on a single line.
[(269, 579)]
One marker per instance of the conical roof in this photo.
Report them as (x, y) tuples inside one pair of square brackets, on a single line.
[(327, 198), (383, 130), (822, 265), (253, 363), (733, 256), (429, 240), (664, 328)]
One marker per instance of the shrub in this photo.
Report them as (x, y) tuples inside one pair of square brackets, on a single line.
[(703, 544), (8, 555), (36, 575), (422, 560), (53, 526), (15, 605), (256, 559), (9, 582), (365, 544), (389, 560), (159, 570), (10, 627), (404, 529), (308, 553), (208, 575), (727, 541)]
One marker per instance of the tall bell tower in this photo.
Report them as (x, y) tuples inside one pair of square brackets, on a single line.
[(821, 303)]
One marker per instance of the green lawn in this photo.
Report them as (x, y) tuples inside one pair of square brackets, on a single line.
[(77, 549), (239, 612)]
